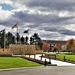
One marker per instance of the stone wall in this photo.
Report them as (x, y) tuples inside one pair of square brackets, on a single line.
[(19, 49), (5, 52)]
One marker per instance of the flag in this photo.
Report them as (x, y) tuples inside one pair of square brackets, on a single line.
[(2, 31), (15, 26), (26, 31)]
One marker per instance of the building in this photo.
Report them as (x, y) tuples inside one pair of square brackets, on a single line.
[(53, 43)]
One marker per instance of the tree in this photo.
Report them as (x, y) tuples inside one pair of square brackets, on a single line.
[(10, 38), (2, 39), (31, 40), (35, 39), (17, 37), (57, 47), (70, 45), (26, 39), (45, 46), (22, 40)]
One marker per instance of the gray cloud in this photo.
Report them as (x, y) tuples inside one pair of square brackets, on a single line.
[(42, 21), (52, 4), (67, 32), (39, 18)]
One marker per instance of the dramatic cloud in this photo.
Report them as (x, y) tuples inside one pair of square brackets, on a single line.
[(51, 19)]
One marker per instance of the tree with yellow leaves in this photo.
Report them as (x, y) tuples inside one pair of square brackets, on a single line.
[(70, 45)]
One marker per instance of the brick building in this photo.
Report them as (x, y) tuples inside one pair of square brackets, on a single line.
[(52, 43)]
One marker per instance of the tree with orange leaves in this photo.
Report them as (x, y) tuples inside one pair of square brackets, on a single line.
[(45, 46), (70, 45), (57, 47)]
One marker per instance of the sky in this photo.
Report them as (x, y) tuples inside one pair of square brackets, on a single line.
[(51, 19)]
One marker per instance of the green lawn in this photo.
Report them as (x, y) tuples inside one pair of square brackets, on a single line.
[(69, 56), (15, 62)]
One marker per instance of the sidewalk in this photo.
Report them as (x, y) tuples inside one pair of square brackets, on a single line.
[(58, 63)]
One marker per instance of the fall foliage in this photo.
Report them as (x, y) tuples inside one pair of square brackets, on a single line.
[(70, 45), (45, 46), (58, 46)]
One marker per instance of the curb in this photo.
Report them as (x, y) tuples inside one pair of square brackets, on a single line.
[(9, 69), (52, 64)]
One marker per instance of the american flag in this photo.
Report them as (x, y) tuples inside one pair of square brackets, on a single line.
[(15, 26)]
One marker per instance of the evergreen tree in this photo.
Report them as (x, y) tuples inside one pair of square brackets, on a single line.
[(37, 40), (22, 40), (17, 38), (10, 38), (31, 40), (26, 39), (2, 40)]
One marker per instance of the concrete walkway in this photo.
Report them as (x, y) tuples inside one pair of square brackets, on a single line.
[(58, 63)]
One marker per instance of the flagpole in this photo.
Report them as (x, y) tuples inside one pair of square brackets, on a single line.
[(17, 28), (27, 31), (28, 36), (17, 32), (4, 40)]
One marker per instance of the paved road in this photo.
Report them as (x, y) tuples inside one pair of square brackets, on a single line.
[(48, 70)]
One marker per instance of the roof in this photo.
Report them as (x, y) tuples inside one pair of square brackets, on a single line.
[(55, 41)]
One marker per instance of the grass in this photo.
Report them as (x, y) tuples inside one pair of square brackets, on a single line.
[(15, 62), (69, 56), (49, 52)]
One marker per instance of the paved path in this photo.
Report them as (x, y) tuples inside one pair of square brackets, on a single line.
[(48, 70), (58, 63)]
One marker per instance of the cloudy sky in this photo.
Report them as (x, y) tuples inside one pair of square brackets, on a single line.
[(51, 19)]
